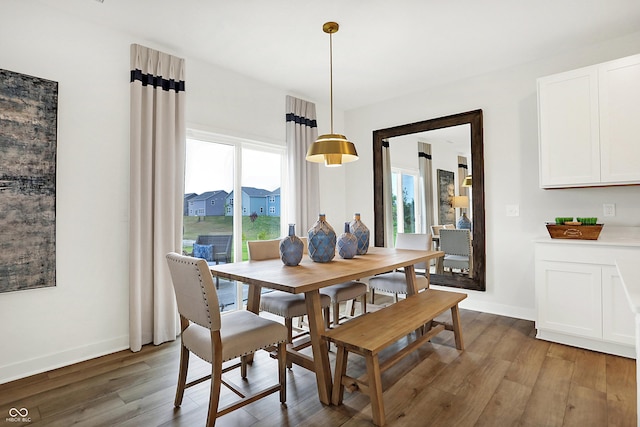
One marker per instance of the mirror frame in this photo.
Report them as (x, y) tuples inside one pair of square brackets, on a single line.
[(473, 118)]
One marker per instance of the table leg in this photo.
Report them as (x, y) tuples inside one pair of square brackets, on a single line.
[(410, 274), (319, 346), (253, 298)]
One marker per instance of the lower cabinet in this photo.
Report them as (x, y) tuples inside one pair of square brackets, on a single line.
[(580, 300)]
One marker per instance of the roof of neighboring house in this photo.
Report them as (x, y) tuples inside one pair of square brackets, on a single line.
[(189, 196), (275, 192), (257, 192), (209, 194)]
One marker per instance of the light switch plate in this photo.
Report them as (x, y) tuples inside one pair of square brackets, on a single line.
[(513, 210)]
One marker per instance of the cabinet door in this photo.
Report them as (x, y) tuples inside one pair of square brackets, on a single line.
[(618, 321), (569, 298), (568, 129), (619, 85)]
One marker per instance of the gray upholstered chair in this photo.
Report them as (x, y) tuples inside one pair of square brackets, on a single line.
[(395, 282), (283, 304), (218, 338), (456, 245)]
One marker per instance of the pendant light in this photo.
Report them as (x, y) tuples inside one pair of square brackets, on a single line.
[(331, 149)]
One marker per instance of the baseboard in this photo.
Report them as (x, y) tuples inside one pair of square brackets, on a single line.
[(488, 307), (52, 361)]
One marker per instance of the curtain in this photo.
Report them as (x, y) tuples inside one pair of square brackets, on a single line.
[(157, 156), (426, 186), (387, 198), (303, 180), (462, 173)]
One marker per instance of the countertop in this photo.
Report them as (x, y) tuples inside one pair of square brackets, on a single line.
[(609, 236)]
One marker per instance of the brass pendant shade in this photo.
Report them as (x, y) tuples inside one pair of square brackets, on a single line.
[(332, 149)]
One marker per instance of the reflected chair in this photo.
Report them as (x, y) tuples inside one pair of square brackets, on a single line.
[(395, 282), (218, 338), (456, 245)]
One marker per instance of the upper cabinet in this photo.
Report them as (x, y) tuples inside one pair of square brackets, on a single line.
[(585, 125)]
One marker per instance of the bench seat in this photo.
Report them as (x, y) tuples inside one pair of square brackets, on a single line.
[(369, 334)]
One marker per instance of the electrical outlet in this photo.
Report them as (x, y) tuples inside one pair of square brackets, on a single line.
[(513, 210), (609, 209)]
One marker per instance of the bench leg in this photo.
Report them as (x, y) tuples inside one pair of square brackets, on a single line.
[(457, 331), (375, 389), (341, 369)]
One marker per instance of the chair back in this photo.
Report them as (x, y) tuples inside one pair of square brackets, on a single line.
[(449, 226), (416, 241), (195, 291), (435, 230), (455, 242), (263, 249)]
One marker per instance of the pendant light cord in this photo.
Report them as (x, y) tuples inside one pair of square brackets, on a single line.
[(331, 77)]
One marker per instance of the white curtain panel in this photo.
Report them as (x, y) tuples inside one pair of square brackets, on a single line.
[(304, 183), (426, 186), (462, 173), (157, 139), (387, 195)]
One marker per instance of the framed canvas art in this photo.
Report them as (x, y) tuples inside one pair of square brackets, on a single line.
[(446, 191), (28, 141)]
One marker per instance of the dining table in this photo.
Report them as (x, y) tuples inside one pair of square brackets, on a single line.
[(308, 278)]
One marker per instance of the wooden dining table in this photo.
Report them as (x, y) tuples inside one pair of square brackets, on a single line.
[(308, 278)]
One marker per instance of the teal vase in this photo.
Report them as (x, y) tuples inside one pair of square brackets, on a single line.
[(291, 248), (347, 243), (358, 229), (322, 241)]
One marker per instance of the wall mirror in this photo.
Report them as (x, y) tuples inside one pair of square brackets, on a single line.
[(476, 279)]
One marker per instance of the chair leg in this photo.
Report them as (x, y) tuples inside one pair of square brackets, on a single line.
[(216, 381), (288, 322), (327, 317), (363, 304), (243, 366), (282, 377), (373, 295), (182, 375), (336, 313)]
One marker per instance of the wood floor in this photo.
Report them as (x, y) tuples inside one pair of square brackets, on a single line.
[(505, 377)]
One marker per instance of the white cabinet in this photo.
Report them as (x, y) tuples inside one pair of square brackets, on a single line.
[(580, 300), (587, 125)]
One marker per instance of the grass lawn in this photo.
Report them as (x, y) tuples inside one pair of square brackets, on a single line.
[(263, 228)]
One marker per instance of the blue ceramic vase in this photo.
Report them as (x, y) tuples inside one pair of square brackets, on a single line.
[(322, 241), (347, 243), (291, 248), (358, 229), (464, 223)]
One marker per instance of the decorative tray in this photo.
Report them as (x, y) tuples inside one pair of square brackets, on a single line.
[(579, 232)]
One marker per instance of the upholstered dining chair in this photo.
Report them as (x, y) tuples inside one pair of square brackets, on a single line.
[(395, 282), (218, 338), (348, 292), (283, 304), (456, 245)]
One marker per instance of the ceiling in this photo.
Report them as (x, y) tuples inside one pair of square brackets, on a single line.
[(383, 49)]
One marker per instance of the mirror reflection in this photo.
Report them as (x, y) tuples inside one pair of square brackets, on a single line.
[(424, 183)]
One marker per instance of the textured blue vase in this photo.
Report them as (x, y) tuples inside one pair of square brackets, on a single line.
[(291, 248), (347, 243), (322, 241), (464, 223), (358, 229)]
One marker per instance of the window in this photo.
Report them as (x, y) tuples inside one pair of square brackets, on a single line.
[(272, 199), (272, 210), (405, 198), (224, 166)]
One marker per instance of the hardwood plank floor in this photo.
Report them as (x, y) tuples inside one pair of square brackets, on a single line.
[(505, 377)]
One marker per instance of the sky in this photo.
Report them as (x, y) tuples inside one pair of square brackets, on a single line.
[(209, 167)]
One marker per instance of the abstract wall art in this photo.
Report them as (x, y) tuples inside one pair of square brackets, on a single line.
[(446, 191), (28, 141)]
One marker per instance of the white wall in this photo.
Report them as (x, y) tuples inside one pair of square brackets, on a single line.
[(508, 101), (87, 313)]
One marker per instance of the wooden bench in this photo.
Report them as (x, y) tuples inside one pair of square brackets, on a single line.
[(369, 334)]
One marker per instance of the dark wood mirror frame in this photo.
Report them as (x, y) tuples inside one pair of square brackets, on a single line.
[(474, 118)]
